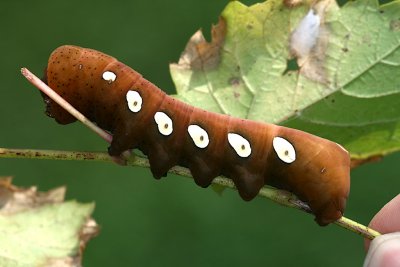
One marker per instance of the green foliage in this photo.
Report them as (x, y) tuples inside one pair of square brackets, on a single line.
[(346, 90)]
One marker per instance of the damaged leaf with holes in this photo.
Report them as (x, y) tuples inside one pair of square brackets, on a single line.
[(328, 70)]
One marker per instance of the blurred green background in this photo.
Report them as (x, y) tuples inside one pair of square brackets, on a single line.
[(145, 222)]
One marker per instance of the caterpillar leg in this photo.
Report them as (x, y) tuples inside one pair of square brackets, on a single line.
[(329, 211), (203, 173), (248, 184), (160, 160)]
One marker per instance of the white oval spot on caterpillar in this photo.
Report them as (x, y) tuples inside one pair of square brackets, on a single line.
[(198, 135), (305, 36), (164, 123), (134, 101), (239, 144), (284, 149), (109, 76)]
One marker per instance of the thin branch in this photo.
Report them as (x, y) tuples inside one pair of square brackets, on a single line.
[(67, 106), (280, 196), (53, 154)]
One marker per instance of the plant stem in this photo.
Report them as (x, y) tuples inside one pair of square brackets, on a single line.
[(53, 154), (280, 196)]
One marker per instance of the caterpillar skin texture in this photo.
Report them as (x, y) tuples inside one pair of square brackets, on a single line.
[(171, 133)]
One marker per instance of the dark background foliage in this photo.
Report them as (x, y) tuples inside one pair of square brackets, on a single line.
[(146, 222)]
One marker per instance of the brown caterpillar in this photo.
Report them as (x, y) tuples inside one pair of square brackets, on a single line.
[(171, 133)]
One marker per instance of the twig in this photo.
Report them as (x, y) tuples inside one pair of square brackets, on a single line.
[(280, 196), (53, 154), (67, 106)]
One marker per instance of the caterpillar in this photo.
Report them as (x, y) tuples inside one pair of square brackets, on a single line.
[(170, 132)]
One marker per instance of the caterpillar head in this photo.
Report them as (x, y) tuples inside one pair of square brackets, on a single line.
[(82, 77)]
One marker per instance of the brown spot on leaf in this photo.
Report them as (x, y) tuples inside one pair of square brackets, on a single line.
[(395, 25), (234, 81), (200, 54), (5, 194), (14, 199), (292, 3)]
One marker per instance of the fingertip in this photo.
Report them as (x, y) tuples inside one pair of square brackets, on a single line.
[(386, 220), (384, 251)]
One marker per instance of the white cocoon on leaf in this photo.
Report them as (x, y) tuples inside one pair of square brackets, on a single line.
[(305, 36)]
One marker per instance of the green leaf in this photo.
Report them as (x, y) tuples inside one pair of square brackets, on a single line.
[(346, 89), (39, 229)]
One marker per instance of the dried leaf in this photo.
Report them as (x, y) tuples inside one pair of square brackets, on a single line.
[(200, 54)]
